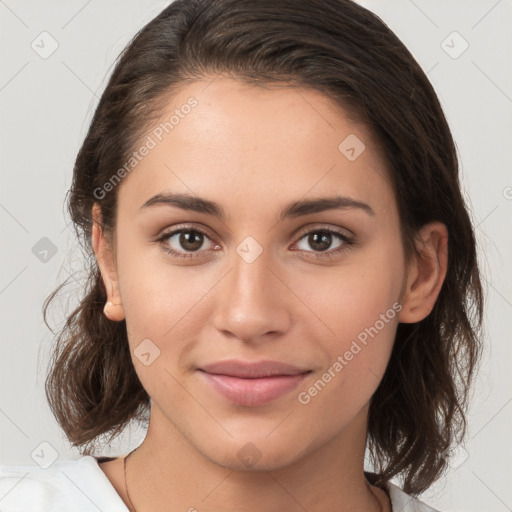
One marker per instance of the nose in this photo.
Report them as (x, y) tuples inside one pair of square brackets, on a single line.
[(252, 303)]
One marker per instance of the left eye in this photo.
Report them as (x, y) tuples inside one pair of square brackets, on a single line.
[(321, 239)]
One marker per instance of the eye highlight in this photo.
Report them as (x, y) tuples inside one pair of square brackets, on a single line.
[(324, 236), (192, 239)]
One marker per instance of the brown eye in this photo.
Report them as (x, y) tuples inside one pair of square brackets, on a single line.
[(184, 242), (321, 241), (190, 240)]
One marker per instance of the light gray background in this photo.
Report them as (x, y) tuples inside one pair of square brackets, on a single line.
[(46, 105)]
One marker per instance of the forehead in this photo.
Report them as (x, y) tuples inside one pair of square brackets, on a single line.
[(249, 147)]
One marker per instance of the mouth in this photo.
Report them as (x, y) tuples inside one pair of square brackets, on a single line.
[(252, 384)]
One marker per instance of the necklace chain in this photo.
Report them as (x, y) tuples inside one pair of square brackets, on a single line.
[(132, 508)]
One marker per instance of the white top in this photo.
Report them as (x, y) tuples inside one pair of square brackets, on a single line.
[(81, 486)]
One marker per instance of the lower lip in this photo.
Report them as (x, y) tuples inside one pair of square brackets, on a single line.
[(252, 392)]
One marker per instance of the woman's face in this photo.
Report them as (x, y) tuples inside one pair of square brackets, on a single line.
[(264, 281)]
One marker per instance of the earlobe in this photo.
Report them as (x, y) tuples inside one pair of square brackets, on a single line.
[(113, 308), (426, 273)]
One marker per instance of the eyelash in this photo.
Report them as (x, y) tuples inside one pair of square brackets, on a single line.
[(347, 241)]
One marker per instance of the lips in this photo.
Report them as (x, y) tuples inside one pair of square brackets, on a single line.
[(247, 370), (252, 384)]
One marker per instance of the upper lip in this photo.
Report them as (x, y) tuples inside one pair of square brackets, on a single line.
[(252, 370)]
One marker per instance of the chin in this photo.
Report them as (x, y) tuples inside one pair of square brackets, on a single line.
[(253, 454)]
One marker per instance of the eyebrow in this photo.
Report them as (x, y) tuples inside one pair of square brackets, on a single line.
[(293, 210)]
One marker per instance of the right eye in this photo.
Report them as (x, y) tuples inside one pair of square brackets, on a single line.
[(184, 242)]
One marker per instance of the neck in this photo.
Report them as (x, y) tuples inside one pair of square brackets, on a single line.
[(166, 469)]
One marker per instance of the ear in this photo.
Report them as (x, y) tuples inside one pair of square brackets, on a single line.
[(105, 258), (426, 273)]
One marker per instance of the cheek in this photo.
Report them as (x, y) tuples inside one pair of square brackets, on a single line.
[(364, 319), (358, 307), (155, 293), (350, 299), (362, 323), (163, 311)]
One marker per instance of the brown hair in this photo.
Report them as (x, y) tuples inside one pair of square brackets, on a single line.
[(348, 53)]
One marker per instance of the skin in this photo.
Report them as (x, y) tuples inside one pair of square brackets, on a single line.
[(254, 150)]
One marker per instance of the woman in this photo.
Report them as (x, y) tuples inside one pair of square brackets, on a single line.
[(284, 272)]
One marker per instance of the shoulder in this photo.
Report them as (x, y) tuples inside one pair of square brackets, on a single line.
[(400, 501), (79, 485)]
